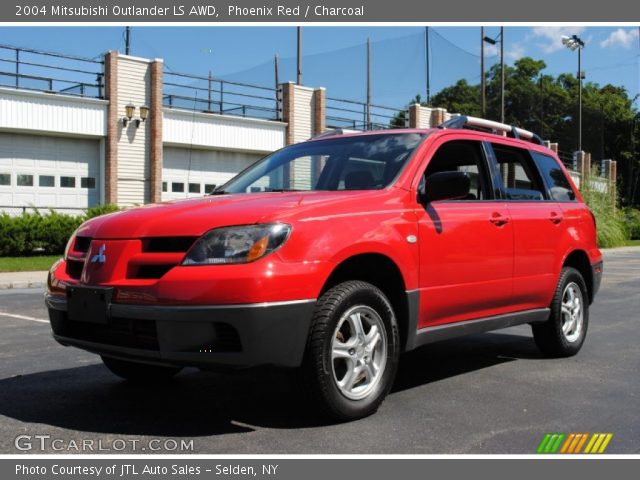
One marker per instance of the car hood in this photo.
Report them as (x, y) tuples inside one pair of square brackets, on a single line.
[(194, 217)]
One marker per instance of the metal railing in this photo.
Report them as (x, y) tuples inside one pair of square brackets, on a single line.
[(568, 159), (211, 95), (28, 69), (356, 115)]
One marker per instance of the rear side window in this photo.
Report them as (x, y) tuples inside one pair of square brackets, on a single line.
[(559, 187), (520, 178)]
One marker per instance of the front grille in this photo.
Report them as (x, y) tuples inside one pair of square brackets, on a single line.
[(74, 268), (82, 244), (167, 244), (120, 332), (151, 271)]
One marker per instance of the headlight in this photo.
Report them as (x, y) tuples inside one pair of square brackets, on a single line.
[(241, 244)]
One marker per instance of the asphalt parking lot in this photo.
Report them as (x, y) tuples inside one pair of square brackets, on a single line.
[(489, 393)]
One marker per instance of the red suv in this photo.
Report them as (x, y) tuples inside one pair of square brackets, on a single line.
[(336, 255)]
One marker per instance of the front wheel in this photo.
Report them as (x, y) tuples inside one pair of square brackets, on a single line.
[(565, 331), (352, 350), (139, 372)]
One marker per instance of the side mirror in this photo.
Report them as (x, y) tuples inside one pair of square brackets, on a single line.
[(445, 186)]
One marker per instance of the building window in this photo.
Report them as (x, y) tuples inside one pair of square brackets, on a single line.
[(68, 182), (177, 187), (209, 187), (25, 180), (5, 179), (88, 182), (194, 188), (164, 186), (46, 180)]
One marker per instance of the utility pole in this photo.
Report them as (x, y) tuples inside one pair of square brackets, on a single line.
[(427, 64), (483, 93), (127, 40), (502, 74), (299, 74), (368, 120)]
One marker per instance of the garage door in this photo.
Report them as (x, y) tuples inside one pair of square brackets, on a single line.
[(191, 172), (48, 171)]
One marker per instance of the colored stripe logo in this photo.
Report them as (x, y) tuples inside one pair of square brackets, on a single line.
[(574, 443)]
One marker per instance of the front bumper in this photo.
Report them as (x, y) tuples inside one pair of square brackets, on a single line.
[(242, 335)]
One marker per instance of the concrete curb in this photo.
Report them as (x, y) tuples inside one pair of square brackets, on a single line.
[(14, 280)]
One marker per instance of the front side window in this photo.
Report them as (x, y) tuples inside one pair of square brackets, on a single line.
[(462, 156), (366, 162), (559, 187), (520, 178)]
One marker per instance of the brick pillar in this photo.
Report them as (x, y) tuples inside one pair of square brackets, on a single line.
[(584, 167), (414, 115), (111, 142), (437, 116), (155, 124), (288, 110), (319, 111)]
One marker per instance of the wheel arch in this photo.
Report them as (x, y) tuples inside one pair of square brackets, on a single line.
[(579, 260), (384, 273)]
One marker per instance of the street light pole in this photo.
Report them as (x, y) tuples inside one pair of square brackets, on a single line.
[(483, 95), (502, 74), (579, 99), (574, 43)]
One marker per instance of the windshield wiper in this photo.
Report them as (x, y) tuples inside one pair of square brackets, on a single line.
[(219, 192)]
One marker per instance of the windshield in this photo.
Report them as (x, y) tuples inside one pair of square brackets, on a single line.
[(365, 162)]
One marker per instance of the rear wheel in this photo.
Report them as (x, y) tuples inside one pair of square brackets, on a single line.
[(139, 372), (352, 351), (565, 331)]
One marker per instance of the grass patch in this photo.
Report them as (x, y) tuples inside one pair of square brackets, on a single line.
[(27, 264), (632, 243)]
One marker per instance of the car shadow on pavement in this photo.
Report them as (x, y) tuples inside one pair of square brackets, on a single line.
[(193, 404), (451, 358)]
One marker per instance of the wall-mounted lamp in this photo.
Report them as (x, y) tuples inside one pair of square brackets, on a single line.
[(129, 111), (144, 113)]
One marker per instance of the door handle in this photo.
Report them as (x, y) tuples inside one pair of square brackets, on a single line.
[(555, 218), (498, 220)]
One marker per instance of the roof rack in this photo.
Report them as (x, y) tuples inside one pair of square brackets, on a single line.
[(512, 131), (333, 132)]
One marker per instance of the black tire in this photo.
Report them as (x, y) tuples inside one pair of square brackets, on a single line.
[(320, 371), (139, 372), (549, 336)]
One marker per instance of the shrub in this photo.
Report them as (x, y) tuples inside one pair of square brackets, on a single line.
[(35, 233), (632, 222), (101, 210), (612, 231)]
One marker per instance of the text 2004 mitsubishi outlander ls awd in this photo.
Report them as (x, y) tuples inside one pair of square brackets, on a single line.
[(336, 255)]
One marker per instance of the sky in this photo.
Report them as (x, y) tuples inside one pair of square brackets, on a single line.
[(334, 57)]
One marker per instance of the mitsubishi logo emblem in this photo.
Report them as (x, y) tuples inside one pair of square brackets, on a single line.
[(100, 257)]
